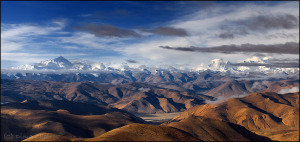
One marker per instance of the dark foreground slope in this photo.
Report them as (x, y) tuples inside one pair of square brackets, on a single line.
[(73, 119)]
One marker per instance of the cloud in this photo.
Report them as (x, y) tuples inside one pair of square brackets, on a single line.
[(287, 48), (259, 23), (168, 31), (258, 86), (106, 30), (266, 22), (14, 37), (131, 61), (270, 65), (226, 35), (221, 99), (289, 90)]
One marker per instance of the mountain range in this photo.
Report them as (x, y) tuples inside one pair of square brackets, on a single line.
[(58, 99), (255, 63), (137, 97), (132, 97)]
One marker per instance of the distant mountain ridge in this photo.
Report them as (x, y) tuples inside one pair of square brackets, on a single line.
[(133, 97), (61, 63), (254, 63)]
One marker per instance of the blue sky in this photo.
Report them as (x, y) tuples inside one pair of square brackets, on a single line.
[(112, 32)]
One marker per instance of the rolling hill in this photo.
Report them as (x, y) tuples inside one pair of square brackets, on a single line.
[(257, 112), (133, 97), (66, 118)]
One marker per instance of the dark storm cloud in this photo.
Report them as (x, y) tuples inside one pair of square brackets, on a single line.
[(260, 23), (168, 31), (265, 22), (287, 48), (131, 61), (107, 30)]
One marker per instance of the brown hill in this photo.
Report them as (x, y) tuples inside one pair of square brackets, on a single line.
[(131, 132), (208, 129), (190, 129), (276, 86), (88, 120), (256, 111), (132, 97), (232, 87), (242, 87), (142, 132)]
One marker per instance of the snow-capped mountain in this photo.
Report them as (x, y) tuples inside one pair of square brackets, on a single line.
[(219, 65), (75, 70), (58, 63), (61, 63), (253, 64)]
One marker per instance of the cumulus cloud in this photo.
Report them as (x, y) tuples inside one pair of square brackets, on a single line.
[(289, 90), (168, 31), (287, 48), (107, 30)]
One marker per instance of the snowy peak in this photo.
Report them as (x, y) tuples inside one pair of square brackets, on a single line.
[(218, 65), (55, 64), (63, 61), (253, 64)]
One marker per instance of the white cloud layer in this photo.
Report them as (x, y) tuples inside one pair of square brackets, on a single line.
[(289, 90), (20, 42)]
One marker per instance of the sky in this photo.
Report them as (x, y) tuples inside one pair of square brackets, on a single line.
[(182, 34)]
